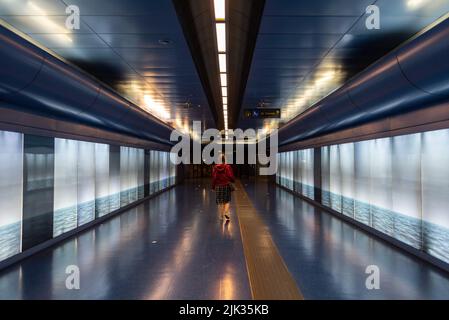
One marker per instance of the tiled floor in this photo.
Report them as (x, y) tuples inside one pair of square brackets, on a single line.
[(328, 257), (172, 247)]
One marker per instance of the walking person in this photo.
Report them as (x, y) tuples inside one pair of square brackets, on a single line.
[(222, 179)]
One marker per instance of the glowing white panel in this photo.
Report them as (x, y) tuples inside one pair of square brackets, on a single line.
[(223, 80), (362, 183), (290, 170), (308, 174), (224, 91), (141, 174), (154, 171), (347, 178), (381, 186), (11, 193), (86, 182), (325, 176), (335, 178), (65, 186), (220, 9), (101, 179), (406, 191), (221, 36), (435, 191), (222, 62)]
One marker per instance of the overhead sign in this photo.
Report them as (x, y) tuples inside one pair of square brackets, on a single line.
[(262, 113)]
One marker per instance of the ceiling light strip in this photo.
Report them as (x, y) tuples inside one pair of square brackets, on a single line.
[(220, 29)]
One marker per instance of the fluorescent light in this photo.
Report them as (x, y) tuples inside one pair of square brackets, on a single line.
[(224, 91), (223, 79), (220, 9), (225, 100), (221, 37), (156, 108), (225, 108), (415, 4), (222, 62), (46, 25)]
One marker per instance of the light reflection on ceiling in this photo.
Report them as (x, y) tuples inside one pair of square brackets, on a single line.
[(137, 47), (306, 50)]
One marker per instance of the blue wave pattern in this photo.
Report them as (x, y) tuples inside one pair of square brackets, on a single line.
[(64, 220), (301, 188), (9, 240), (69, 218), (423, 235), (102, 206), (86, 212)]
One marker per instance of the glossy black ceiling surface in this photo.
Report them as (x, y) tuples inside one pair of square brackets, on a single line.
[(136, 46), (307, 49)]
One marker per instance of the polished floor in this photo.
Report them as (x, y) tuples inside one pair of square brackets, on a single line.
[(174, 247), (171, 247), (328, 257)]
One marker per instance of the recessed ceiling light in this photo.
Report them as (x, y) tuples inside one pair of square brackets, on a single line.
[(224, 91), (221, 36), (223, 79), (220, 9), (222, 62), (225, 100)]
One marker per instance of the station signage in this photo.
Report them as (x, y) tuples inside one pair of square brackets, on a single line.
[(262, 113)]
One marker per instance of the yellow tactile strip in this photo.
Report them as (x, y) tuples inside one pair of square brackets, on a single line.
[(268, 275)]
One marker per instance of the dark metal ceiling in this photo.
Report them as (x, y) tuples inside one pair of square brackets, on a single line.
[(304, 49), (135, 46), (307, 49), (243, 20)]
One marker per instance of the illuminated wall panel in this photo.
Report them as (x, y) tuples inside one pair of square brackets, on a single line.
[(140, 173), (406, 189), (325, 177), (65, 186), (335, 178), (295, 171), (11, 192), (381, 186), (101, 179), (154, 171), (124, 176), (49, 186), (307, 176), (86, 182), (435, 193), (401, 187), (347, 178), (163, 170), (362, 182), (172, 172)]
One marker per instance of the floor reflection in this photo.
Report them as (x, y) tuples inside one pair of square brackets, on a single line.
[(171, 247), (328, 257)]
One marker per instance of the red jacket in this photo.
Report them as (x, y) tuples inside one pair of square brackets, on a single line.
[(222, 175)]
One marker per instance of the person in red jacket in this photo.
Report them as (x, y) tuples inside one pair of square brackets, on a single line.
[(222, 177)]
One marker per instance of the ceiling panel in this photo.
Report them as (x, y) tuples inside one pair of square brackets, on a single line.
[(324, 43), (135, 46)]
